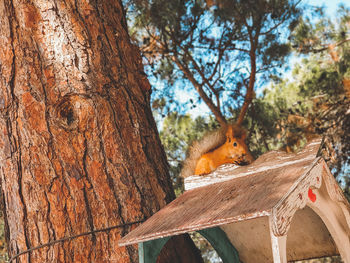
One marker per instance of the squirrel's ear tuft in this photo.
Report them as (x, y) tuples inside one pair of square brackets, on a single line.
[(244, 135), (229, 132), (238, 132)]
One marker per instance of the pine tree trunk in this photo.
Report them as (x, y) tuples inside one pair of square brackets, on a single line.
[(79, 148)]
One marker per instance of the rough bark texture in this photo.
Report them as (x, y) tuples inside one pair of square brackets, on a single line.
[(79, 149)]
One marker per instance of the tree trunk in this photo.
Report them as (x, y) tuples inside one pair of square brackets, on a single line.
[(79, 148)]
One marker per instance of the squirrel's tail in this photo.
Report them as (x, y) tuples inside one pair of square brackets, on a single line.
[(209, 142)]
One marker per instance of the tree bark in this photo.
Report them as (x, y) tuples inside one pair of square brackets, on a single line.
[(79, 148)]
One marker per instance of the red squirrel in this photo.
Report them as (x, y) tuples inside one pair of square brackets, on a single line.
[(226, 145)]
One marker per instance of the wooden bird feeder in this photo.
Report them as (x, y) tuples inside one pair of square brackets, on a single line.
[(283, 207)]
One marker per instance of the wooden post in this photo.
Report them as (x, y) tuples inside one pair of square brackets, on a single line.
[(333, 217), (279, 246), (149, 250), (222, 245)]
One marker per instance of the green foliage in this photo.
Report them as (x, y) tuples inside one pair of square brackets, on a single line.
[(286, 114), (261, 120), (315, 32), (312, 101), (208, 252), (317, 96), (190, 44)]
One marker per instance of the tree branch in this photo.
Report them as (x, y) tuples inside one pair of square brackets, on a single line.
[(216, 111), (205, 80), (226, 49), (328, 46), (221, 54), (250, 89)]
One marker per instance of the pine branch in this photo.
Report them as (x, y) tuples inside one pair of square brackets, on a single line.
[(217, 113)]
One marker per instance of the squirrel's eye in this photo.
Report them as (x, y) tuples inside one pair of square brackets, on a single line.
[(234, 144)]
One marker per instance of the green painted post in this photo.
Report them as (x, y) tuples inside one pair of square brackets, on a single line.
[(222, 245), (149, 250)]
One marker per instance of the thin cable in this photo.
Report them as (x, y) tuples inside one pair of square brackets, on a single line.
[(72, 237)]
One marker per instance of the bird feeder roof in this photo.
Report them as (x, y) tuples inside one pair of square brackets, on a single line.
[(249, 202), (230, 194)]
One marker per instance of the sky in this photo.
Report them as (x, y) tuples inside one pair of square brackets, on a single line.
[(330, 5), (330, 8)]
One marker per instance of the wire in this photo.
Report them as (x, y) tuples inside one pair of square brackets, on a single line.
[(72, 237)]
